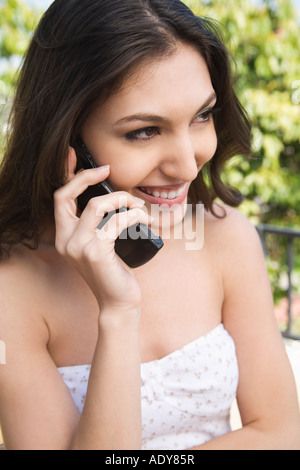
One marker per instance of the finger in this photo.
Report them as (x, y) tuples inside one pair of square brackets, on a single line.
[(89, 223), (99, 206), (65, 207), (82, 237), (80, 182), (94, 213)]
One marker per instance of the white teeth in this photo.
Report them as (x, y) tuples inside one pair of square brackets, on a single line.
[(165, 195)]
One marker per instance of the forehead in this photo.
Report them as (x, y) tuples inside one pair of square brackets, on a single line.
[(179, 81)]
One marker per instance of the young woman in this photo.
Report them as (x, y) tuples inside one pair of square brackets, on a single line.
[(98, 355)]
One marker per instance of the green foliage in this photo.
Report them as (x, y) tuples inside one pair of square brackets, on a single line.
[(17, 22)]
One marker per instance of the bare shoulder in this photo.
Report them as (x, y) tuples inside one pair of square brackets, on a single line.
[(228, 219), (20, 296), (237, 250), (231, 233)]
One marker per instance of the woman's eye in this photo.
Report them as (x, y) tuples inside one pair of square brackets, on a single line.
[(204, 117), (142, 134)]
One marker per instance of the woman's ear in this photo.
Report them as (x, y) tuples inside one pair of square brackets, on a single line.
[(72, 163)]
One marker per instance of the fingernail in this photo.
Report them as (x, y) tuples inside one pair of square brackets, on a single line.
[(139, 200), (103, 169)]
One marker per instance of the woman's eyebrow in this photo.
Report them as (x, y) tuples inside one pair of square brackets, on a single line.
[(154, 118)]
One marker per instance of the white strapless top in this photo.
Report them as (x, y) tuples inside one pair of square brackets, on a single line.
[(186, 396)]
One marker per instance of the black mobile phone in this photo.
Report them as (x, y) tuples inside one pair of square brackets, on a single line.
[(136, 245)]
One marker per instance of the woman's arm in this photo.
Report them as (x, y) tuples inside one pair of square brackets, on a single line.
[(36, 409), (111, 417), (267, 396)]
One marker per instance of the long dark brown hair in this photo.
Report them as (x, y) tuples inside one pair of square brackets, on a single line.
[(81, 53)]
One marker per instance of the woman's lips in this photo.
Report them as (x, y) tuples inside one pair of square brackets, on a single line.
[(168, 195)]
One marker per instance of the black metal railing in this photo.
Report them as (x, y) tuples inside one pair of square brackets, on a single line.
[(290, 235)]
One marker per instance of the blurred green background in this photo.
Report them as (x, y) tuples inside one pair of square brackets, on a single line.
[(264, 37)]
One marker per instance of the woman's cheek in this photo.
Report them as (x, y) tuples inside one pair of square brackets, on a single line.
[(207, 148), (126, 177)]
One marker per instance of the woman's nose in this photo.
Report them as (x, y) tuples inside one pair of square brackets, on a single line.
[(179, 159)]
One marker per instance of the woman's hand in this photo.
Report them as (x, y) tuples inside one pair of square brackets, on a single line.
[(90, 250)]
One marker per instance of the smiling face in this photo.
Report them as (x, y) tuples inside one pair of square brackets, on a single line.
[(157, 132)]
